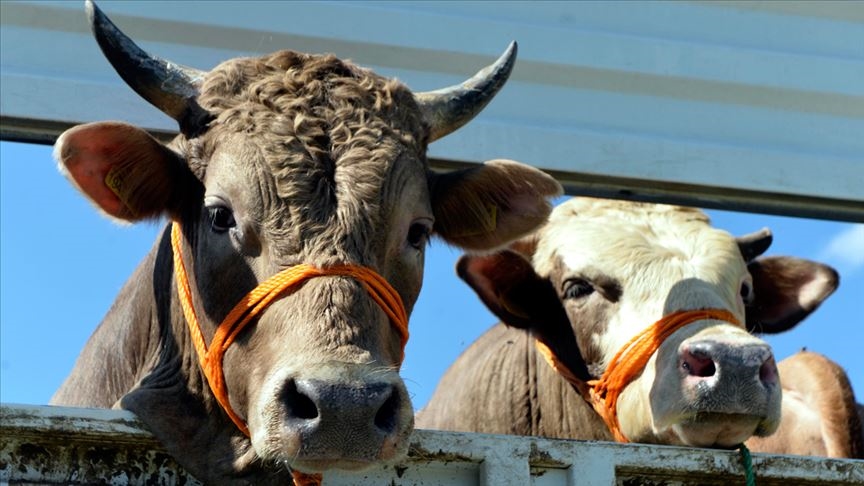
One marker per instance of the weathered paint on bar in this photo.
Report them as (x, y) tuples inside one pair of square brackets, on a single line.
[(58, 445)]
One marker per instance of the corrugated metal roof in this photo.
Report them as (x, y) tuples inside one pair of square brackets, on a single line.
[(740, 105)]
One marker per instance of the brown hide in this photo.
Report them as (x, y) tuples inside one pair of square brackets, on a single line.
[(820, 416), (501, 385), (282, 159), (548, 298)]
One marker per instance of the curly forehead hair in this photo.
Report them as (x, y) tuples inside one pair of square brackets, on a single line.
[(312, 113), (331, 135)]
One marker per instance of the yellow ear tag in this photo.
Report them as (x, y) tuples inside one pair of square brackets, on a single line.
[(115, 180), (492, 218), (487, 222), (486, 225)]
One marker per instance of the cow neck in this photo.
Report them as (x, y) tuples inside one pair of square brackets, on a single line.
[(628, 363), (254, 303)]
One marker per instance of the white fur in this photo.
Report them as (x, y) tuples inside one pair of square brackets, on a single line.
[(666, 259)]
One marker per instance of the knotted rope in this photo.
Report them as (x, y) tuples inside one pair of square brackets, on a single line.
[(255, 302), (628, 363)]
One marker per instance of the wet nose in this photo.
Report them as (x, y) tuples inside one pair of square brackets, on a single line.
[(351, 417), (707, 360)]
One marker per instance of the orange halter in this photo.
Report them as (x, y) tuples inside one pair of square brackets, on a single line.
[(255, 302), (628, 363)]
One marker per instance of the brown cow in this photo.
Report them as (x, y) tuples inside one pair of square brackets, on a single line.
[(596, 275), (820, 416), (281, 160)]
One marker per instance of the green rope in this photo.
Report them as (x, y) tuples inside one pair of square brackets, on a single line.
[(748, 465)]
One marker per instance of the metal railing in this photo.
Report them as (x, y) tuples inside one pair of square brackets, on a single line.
[(59, 445)]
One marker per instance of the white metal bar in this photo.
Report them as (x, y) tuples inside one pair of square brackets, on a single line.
[(37, 443), (711, 104)]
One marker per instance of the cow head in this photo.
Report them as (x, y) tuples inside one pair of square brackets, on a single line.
[(283, 160), (601, 272)]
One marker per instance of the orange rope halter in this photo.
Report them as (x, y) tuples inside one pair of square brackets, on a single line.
[(628, 363), (256, 301)]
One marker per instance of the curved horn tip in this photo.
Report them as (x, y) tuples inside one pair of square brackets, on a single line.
[(445, 110), (503, 66), (94, 13), (499, 71), (509, 55), (166, 85), (754, 244)]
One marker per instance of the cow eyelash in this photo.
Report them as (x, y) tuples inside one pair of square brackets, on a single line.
[(418, 235), (221, 219), (577, 288), (746, 293)]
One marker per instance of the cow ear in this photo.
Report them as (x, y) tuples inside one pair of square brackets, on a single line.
[(787, 290), (754, 244), (488, 206), (125, 172), (508, 285)]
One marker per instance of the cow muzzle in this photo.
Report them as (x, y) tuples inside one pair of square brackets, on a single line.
[(318, 422), (708, 364), (729, 391), (338, 417), (714, 373)]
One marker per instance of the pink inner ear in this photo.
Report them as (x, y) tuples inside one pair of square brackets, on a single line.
[(88, 153), (89, 172), (483, 265)]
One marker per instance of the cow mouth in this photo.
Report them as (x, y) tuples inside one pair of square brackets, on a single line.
[(391, 449), (313, 422), (718, 430), (345, 452)]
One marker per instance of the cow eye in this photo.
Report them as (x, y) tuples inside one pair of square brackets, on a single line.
[(221, 219), (418, 234), (577, 288), (746, 293)]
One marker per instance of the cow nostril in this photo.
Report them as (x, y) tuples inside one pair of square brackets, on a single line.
[(385, 419), (298, 404), (697, 363), (768, 372)]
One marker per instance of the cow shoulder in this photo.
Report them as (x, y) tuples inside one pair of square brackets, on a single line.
[(490, 372), (117, 348), (820, 415)]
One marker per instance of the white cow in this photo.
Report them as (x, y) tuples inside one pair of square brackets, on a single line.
[(598, 274)]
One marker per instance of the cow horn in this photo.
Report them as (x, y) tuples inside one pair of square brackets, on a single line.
[(754, 244), (168, 86), (445, 110)]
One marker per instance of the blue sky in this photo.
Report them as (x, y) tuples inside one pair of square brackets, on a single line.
[(61, 265)]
